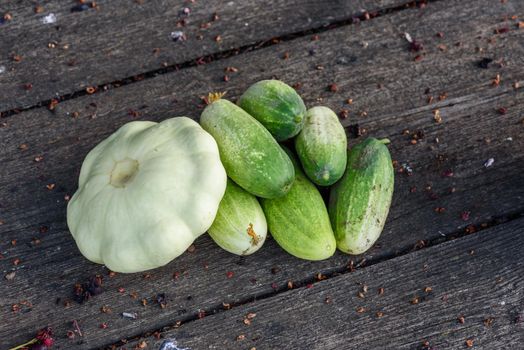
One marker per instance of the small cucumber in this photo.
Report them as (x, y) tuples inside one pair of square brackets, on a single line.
[(277, 106), (251, 156), (359, 202), (322, 146), (299, 221), (240, 225)]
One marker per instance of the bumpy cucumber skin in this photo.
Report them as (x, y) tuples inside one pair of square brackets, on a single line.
[(322, 146), (251, 156), (359, 203), (299, 221), (277, 106), (240, 226)]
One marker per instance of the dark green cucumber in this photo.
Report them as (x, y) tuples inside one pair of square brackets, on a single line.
[(359, 203), (251, 156), (299, 221), (240, 226), (322, 146), (277, 106)]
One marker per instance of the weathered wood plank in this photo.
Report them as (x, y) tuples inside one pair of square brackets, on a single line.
[(121, 39), (476, 277), (470, 115)]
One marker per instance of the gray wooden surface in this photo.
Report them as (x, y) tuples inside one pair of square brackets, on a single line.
[(330, 314), (372, 64), (121, 39)]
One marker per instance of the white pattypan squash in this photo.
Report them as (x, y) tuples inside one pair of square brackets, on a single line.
[(146, 193)]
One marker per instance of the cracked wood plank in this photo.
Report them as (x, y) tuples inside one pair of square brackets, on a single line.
[(121, 39), (468, 289)]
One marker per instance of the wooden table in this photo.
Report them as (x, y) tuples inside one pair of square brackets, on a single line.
[(448, 270)]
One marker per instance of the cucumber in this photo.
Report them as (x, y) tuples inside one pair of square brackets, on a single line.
[(240, 225), (277, 106), (359, 203), (322, 146), (299, 221), (251, 156)]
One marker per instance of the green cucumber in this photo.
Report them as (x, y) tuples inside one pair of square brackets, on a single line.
[(359, 203), (299, 221), (240, 225), (322, 146), (251, 156), (277, 106)]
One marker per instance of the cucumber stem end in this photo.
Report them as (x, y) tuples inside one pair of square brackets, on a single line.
[(213, 97)]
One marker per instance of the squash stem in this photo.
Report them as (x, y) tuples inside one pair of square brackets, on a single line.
[(385, 141)]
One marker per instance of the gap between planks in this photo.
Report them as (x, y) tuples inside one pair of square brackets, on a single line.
[(221, 55)]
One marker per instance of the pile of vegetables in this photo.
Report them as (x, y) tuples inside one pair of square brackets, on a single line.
[(150, 189)]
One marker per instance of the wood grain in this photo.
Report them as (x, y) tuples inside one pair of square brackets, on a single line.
[(425, 294), (472, 130), (121, 39)]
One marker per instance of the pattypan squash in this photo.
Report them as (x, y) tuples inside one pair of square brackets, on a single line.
[(146, 193)]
